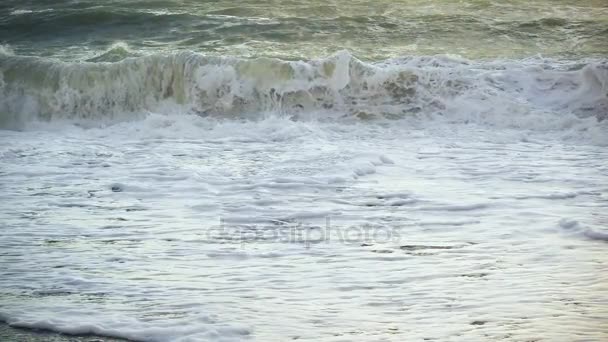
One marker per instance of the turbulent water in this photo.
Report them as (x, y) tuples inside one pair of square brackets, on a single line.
[(289, 170)]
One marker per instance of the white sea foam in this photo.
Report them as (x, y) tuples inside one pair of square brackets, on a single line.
[(188, 228), (18, 12), (536, 94), (191, 198)]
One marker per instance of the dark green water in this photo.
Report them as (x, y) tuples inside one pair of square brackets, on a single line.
[(372, 30)]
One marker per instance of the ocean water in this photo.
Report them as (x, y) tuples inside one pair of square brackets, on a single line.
[(313, 171)]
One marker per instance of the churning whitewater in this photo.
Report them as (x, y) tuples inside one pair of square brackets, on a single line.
[(286, 171), (549, 95)]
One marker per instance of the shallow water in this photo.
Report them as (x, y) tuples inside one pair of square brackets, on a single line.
[(176, 228), (164, 177)]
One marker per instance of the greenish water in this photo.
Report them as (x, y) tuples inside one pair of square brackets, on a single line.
[(371, 30)]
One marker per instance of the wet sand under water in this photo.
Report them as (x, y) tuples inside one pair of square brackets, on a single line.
[(10, 334)]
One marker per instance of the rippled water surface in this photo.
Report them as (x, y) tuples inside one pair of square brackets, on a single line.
[(427, 237), (292, 29)]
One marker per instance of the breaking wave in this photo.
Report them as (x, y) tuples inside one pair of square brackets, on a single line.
[(531, 93)]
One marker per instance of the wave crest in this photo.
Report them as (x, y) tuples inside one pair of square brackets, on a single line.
[(495, 92)]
